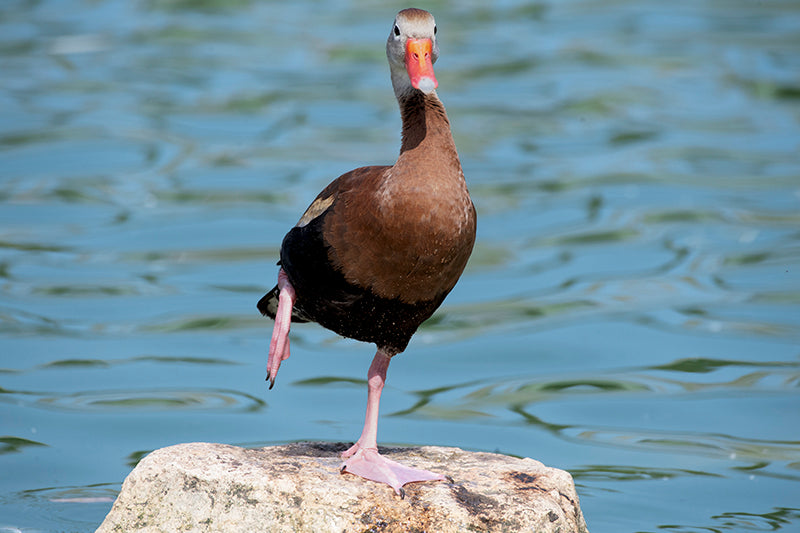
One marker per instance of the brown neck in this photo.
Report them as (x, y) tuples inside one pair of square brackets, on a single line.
[(426, 129)]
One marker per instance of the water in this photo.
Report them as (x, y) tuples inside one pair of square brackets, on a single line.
[(630, 313)]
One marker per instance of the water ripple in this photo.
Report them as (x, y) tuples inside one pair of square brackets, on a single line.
[(637, 189), (9, 444), (758, 453), (98, 493), (153, 400)]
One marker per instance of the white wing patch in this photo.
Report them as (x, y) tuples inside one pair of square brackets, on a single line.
[(316, 208)]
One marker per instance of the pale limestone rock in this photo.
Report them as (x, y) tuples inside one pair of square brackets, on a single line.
[(298, 488)]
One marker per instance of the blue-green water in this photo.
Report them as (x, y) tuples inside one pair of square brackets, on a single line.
[(631, 313)]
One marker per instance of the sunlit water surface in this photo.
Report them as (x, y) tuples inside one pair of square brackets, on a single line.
[(630, 314)]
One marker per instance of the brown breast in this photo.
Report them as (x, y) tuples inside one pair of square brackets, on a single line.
[(405, 231)]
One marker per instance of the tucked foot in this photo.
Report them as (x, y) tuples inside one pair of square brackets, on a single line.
[(279, 345), (369, 464)]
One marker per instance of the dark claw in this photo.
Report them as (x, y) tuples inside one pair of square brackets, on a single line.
[(402, 493)]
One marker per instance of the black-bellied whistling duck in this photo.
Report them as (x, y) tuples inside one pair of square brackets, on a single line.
[(378, 250)]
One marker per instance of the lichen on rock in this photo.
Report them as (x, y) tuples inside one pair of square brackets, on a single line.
[(299, 488)]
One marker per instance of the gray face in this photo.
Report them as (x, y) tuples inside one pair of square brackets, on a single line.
[(409, 24)]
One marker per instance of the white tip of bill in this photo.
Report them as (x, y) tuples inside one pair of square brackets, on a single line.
[(426, 85)]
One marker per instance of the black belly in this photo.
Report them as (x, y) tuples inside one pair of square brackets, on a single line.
[(326, 297)]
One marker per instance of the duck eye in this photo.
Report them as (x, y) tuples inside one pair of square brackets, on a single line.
[(435, 29), (396, 30)]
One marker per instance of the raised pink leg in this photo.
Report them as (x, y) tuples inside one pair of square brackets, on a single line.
[(363, 459), (279, 345)]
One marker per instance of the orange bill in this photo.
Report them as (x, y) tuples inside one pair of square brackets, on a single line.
[(419, 64)]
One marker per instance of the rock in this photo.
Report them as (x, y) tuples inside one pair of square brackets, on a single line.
[(298, 488)]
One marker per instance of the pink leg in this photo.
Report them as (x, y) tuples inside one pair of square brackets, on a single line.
[(363, 458), (279, 345)]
